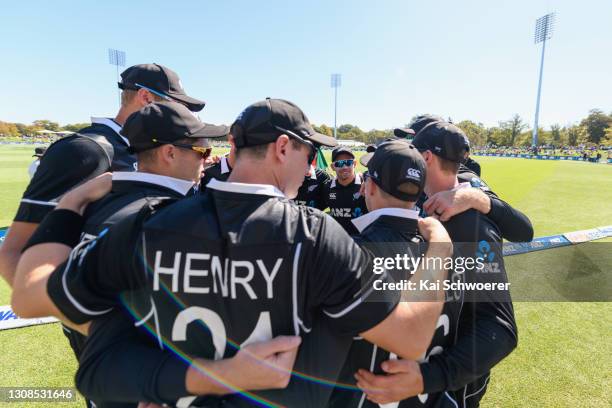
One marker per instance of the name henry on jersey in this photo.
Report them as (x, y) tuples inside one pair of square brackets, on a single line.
[(193, 272)]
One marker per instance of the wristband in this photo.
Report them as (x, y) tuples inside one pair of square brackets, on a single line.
[(59, 226)]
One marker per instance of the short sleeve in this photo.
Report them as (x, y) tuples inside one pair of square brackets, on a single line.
[(66, 163), (90, 282), (342, 279)]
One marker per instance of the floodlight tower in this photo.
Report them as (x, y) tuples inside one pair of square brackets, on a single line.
[(336, 81), (543, 31), (117, 58)]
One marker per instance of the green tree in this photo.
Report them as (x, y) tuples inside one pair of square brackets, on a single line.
[(476, 132), (512, 128), (555, 134), (43, 124), (596, 124), (73, 127)]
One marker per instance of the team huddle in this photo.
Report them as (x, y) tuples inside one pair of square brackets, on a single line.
[(249, 279)]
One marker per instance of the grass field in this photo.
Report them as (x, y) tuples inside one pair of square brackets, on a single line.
[(564, 357)]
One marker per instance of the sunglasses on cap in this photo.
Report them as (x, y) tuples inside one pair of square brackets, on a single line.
[(343, 163), (203, 151)]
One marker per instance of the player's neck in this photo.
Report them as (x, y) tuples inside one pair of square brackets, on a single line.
[(440, 182), (250, 172)]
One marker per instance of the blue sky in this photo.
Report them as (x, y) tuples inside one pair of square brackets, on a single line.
[(464, 59)]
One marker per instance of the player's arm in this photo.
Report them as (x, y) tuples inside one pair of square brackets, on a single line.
[(513, 224), (66, 164), (487, 333), (487, 329), (156, 375), (49, 247), (346, 279), (408, 330)]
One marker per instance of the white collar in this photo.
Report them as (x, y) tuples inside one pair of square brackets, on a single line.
[(245, 188), (111, 124), (224, 165), (178, 185), (356, 181), (362, 222)]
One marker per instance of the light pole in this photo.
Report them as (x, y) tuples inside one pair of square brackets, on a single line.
[(543, 32), (116, 58), (336, 81)]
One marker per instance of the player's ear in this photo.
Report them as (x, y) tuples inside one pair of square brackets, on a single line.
[(144, 97), (282, 147), (167, 153)]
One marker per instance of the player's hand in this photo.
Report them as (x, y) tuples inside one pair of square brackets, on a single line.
[(257, 366), (78, 198), (432, 230), (403, 380), (446, 204), (267, 364)]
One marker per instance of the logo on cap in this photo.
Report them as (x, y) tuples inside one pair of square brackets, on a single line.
[(414, 174)]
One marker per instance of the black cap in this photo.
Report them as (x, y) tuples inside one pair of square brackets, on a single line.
[(166, 122), (415, 127), (443, 139), (39, 151), (393, 165), (340, 150), (158, 79), (264, 121)]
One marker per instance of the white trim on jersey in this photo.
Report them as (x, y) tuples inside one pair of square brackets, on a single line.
[(297, 322), (49, 203), (451, 399), (362, 222), (345, 310), (111, 124), (180, 186), (224, 165), (357, 181), (372, 361), (475, 392), (244, 188), (71, 298)]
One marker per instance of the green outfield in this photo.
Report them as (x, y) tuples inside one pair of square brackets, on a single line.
[(564, 353)]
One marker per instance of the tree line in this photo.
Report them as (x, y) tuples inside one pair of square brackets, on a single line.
[(594, 129)]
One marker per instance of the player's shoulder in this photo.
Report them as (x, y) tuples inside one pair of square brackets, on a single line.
[(73, 144), (322, 176), (466, 175), (472, 226)]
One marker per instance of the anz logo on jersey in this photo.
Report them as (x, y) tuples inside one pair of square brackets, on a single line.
[(341, 212)]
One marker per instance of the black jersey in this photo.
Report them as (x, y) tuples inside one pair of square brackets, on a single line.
[(130, 192), (238, 264), (71, 161), (345, 202), (386, 233), (218, 171), (471, 165), (512, 223), (312, 191), (487, 329)]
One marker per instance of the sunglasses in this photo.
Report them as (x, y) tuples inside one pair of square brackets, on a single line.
[(203, 151), (344, 163)]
